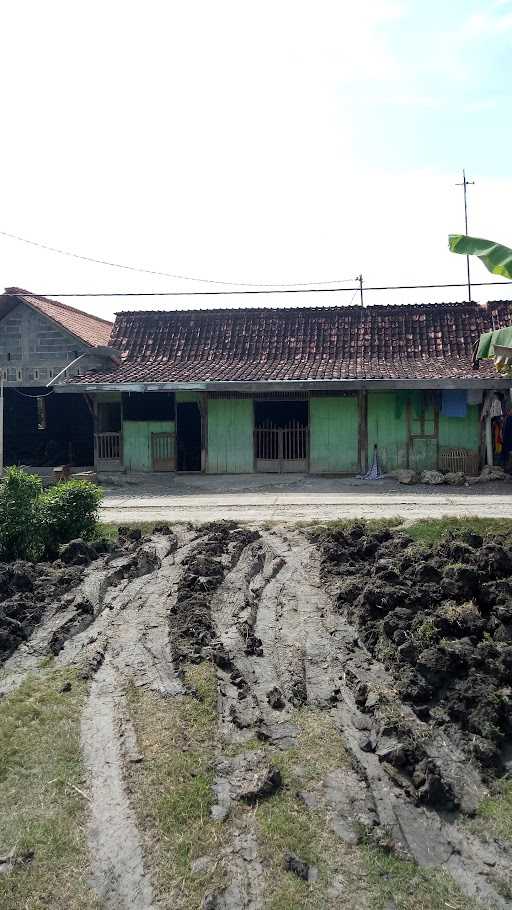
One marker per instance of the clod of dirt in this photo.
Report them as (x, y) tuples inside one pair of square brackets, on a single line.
[(77, 553), (248, 777), (133, 534), (301, 869), (275, 699)]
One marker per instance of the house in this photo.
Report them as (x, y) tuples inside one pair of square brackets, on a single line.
[(295, 389), (38, 339)]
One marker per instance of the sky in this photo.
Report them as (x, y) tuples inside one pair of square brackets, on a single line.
[(277, 142)]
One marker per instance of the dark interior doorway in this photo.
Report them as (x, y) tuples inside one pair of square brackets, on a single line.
[(189, 436), (44, 428), (280, 413), (281, 436)]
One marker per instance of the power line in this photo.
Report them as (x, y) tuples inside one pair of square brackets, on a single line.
[(391, 287), (35, 397), (133, 268)]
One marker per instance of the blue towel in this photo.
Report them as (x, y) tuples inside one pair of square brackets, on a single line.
[(454, 403)]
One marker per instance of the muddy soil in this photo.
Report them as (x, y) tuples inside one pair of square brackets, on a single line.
[(440, 619), (407, 649)]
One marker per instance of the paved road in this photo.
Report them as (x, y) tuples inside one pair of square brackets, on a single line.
[(275, 499)]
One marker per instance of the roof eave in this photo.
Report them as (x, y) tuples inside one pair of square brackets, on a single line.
[(295, 384)]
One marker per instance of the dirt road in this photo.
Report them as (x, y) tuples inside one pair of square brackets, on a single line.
[(270, 612), (264, 498)]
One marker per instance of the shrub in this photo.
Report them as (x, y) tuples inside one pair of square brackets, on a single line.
[(19, 495), (67, 511), (34, 523)]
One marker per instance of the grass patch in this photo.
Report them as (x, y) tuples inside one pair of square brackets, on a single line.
[(369, 877), (285, 824), (320, 529), (433, 529), (40, 810), (494, 816), (109, 531), (401, 884), (172, 788)]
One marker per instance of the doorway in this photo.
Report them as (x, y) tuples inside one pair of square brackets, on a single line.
[(188, 423), (281, 436)]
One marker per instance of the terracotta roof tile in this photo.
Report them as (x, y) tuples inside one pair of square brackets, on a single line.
[(431, 341), (91, 329)]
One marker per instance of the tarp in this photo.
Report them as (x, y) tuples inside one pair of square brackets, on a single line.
[(454, 403)]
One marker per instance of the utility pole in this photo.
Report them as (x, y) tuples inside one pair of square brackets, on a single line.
[(360, 280), (465, 183)]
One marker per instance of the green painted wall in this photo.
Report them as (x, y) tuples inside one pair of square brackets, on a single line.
[(387, 426), (230, 436), (137, 442), (334, 435), (463, 432)]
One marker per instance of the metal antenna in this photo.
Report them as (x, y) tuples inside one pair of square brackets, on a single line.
[(465, 183)]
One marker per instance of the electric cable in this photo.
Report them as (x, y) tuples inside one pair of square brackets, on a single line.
[(133, 268)]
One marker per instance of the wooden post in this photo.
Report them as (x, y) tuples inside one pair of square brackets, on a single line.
[(363, 431), (488, 440)]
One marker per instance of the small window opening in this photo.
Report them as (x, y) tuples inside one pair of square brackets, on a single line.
[(109, 417), (41, 414)]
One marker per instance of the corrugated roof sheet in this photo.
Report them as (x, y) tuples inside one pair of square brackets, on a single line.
[(422, 342), (91, 329)]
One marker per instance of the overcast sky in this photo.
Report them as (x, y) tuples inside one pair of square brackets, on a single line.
[(272, 141)]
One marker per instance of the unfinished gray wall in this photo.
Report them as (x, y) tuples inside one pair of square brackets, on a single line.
[(33, 349)]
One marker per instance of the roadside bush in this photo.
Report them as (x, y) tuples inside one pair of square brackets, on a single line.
[(67, 511), (34, 523), (19, 496)]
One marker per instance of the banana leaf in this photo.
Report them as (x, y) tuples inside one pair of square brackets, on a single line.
[(496, 257)]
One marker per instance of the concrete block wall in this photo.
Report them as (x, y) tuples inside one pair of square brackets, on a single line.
[(33, 349)]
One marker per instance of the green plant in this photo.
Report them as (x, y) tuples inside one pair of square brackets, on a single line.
[(67, 511), (34, 523), (19, 494), (496, 257)]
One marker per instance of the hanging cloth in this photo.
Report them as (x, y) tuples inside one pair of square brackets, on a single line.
[(498, 437), (496, 410), (374, 472)]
